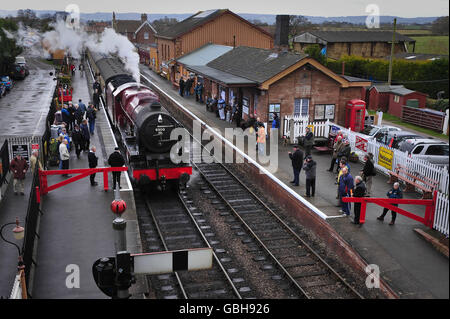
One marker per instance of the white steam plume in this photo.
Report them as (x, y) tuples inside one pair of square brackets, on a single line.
[(74, 41)]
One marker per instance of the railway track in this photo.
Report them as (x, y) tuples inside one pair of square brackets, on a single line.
[(310, 274), (179, 226)]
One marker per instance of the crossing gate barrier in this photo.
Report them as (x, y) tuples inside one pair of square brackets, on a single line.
[(429, 204), (82, 172)]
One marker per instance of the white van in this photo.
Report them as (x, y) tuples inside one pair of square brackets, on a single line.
[(21, 60)]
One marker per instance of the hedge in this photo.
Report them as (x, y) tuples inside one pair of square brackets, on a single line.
[(412, 74)]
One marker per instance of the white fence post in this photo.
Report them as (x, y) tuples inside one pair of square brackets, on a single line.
[(445, 127)]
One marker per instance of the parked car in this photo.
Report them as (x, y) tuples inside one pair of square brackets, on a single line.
[(376, 131), (17, 71), (434, 151), (7, 82), (2, 90), (394, 138)]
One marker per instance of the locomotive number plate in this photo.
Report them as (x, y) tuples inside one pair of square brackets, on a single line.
[(160, 129)]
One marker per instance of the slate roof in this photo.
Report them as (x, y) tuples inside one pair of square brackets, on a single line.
[(357, 36), (123, 26), (204, 54), (258, 65), (190, 23), (395, 89), (220, 76)]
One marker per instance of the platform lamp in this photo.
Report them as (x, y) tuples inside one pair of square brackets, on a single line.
[(19, 233)]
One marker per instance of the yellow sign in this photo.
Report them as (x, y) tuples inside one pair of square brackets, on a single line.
[(385, 158), (311, 126)]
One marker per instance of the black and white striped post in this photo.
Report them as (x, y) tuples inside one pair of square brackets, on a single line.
[(114, 275)]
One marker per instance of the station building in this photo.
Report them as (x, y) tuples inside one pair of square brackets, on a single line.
[(262, 81)]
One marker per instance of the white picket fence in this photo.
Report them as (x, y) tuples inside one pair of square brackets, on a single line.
[(421, 167), (441, 214), (300, 123)]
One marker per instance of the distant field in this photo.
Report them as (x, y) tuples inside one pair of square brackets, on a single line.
[(431, 44), (411, 31)]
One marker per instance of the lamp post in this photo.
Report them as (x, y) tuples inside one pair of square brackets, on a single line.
[(19, 233)]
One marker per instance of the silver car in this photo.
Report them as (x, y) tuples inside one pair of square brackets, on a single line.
[(377, 131), (433, 151)]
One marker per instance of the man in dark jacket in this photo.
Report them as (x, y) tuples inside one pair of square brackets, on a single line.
[(360, 191), (18, 167), (116, 160), (368, 171), (96, 99), (86, 135), (310, 171), (93, 161), (77, 139), (91, 115), (297, 161), (345, 189), (96, 86), (395, 192), (308, 141), (181, 84)]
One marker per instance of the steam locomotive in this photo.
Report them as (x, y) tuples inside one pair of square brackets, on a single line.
[(142, 124)]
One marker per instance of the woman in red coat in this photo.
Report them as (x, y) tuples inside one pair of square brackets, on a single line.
[(18, 167)]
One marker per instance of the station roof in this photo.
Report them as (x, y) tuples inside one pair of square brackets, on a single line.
[(258, 65), (204, 54), (221, 76)]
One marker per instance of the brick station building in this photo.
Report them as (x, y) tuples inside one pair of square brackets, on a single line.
[(137, 31), (218, 26), (263, 81)]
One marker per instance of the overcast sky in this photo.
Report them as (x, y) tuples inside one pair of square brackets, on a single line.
[(402, 8)]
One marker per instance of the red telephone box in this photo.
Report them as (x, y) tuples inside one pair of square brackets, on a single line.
[(355, 111)]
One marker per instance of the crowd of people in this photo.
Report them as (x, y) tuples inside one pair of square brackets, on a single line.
[(347, 185)]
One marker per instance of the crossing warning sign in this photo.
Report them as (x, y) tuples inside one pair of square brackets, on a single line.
[(361, 143)]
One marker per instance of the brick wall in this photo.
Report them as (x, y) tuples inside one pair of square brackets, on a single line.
[(140, 36)]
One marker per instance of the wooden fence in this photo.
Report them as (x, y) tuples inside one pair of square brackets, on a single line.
[(431, 119), (295, 126)]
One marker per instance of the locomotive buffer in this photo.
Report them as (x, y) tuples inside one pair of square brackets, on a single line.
[(115, 275)]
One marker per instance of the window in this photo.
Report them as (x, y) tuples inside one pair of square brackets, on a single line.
[(396, 98), (324, 112), (146, 36), (301, 107), (437, 150), (274, 108), (418, 149)]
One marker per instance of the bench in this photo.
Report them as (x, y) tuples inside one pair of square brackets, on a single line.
[(410, 179)]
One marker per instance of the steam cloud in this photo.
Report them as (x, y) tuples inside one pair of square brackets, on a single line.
[(74, 41)]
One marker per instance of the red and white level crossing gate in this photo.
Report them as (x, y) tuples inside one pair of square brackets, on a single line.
[(360, 143)]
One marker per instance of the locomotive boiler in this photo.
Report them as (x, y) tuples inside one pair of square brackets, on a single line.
[(142, 124)]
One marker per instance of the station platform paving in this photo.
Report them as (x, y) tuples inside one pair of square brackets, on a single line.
[(410, 265), (76, 226)]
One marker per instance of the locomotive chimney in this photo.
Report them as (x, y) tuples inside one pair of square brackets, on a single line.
[(281, 33)]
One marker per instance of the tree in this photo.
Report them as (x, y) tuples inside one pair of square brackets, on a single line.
[(297, 24), (8, 48), (315, 52), (164, 23), (440, 26)]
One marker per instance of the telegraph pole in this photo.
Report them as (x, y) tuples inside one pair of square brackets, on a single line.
[(392, 53)]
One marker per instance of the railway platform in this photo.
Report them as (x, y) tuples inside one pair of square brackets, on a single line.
[(410, 265), (75, 228)]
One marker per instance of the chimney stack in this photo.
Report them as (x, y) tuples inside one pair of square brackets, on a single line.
[(143, 17), (282, 32)]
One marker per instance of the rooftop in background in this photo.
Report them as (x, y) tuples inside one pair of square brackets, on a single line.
[(354, 36), (204, 54), (411, 56), (190, 23), (396, 89)]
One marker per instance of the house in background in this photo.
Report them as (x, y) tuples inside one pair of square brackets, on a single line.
[(219, 26), (368, 44), (136, 31), (391, 98), (261, 82)]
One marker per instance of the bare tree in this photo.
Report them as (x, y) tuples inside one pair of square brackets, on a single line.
[(297, 24)]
